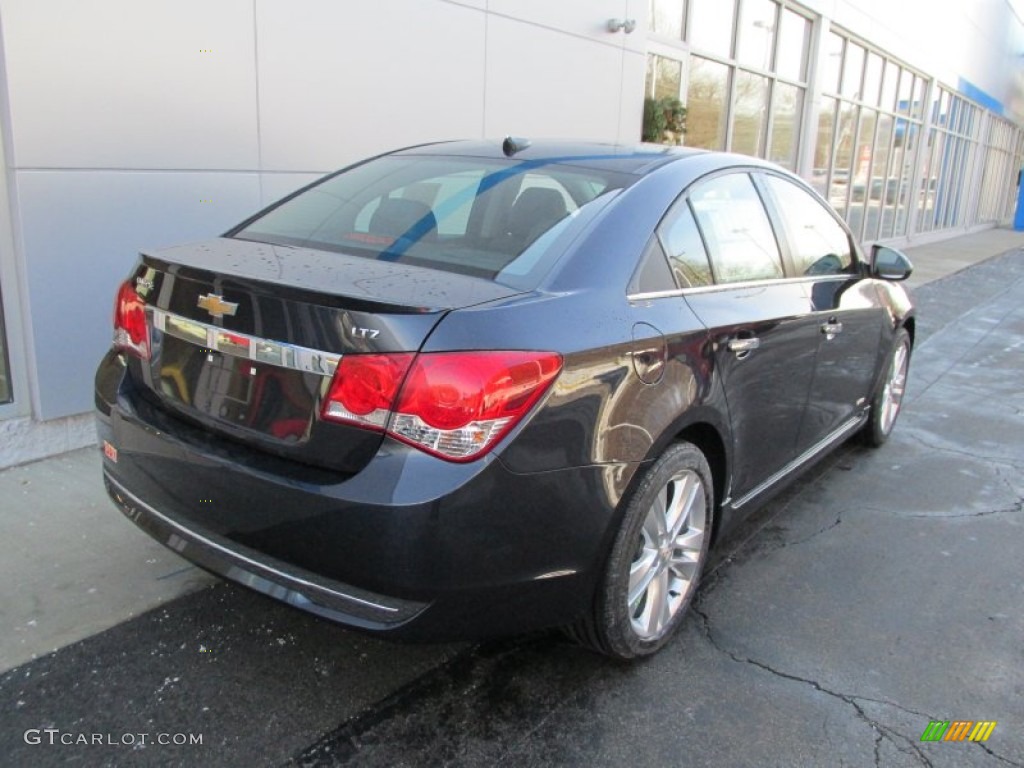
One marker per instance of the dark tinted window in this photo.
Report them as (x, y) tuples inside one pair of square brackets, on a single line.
[(818, 243), (490, 218), (653, 274), (736, 228), (682, 242)]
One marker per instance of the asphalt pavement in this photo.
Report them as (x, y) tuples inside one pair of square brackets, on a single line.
[(883, 591)]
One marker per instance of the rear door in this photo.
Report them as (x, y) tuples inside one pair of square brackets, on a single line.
[(843, 305), (763, 340)]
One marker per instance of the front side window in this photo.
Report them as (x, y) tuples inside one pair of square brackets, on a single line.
[(487, 218), (818, 243), (736, 229)]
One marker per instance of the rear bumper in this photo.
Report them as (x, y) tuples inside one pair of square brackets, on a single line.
[(411, 546), (284, 582)]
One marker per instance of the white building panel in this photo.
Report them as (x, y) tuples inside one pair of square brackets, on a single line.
[(584, 19), (129, 84), (274, 186), (550, 84), (342, 81)]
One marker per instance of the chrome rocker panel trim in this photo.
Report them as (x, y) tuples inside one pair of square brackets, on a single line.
[(840, 434)]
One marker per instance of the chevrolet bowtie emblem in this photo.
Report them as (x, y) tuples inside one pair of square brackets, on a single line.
[(216, 305)]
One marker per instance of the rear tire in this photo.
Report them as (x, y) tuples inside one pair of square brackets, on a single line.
[(888, 401), (656, 560)]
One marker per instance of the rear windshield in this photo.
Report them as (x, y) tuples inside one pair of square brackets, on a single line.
[(503, 220)]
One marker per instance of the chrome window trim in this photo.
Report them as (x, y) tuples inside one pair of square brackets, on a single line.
[(677, 292), (243, 345)]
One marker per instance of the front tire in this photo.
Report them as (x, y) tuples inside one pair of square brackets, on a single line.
[(888, 401), (656, 560)]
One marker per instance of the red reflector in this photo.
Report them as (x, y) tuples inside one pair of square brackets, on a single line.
[(131, 332)]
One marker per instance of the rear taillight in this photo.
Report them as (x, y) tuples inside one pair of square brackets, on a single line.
[(364, 389), (455, 405), (131, 333)]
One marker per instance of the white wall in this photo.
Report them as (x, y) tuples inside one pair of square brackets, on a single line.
[(144, 123)]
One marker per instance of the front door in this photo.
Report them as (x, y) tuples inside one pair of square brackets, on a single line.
[(850, 323), (841, 304)]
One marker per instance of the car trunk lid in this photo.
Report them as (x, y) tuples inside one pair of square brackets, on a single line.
[(246, 336)]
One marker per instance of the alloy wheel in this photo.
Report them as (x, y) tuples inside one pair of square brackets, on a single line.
[(668, 555), (895, 386)]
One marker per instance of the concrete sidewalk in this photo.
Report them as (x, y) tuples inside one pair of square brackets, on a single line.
[(937, 260), (74, 567)]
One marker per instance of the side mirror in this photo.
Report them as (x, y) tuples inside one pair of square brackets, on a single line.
[(889, 264)]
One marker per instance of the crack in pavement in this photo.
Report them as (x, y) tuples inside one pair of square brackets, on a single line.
[(997, 756), (776, 508), (824, 529), (1015, 508), (1018, 506), (977, 457), (1008, 481), (882, 732)]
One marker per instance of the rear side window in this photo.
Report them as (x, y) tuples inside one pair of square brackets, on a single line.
[(497, 219), (735, 225), (819, 244), (653, 274), (682, 242)]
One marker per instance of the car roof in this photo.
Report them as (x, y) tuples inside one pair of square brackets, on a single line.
[(637, 159)]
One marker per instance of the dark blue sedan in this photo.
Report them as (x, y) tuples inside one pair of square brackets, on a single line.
[(473, 388)]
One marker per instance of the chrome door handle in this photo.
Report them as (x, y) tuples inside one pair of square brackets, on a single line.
[(830, 329), (742, 346)]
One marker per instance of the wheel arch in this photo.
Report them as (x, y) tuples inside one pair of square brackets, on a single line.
[(711, 443)]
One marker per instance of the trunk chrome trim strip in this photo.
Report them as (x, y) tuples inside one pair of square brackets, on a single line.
[(829, 440), (243, 345)]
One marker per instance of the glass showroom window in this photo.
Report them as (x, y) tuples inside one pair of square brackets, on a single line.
[(664, 76), (742, 72), (1002, 159), (869, 124), (707, 104), (953, 151)]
